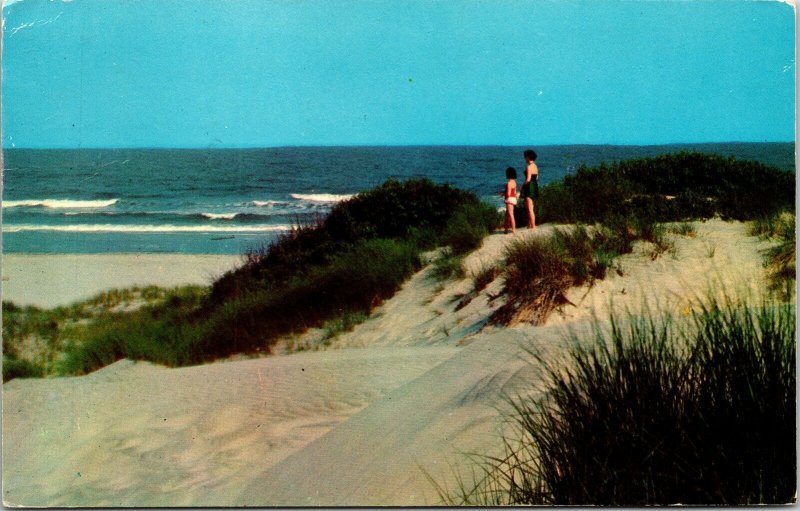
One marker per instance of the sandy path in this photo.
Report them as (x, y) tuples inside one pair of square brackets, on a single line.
[(380, 456), (50, 280), (141, 435)]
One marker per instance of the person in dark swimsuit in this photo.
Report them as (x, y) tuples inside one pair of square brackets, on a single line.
[(530, 188)]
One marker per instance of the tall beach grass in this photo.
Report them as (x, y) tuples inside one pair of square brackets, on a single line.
[(658, 412), (780, 259)]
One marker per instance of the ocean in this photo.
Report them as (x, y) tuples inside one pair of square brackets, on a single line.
[(229, 201)]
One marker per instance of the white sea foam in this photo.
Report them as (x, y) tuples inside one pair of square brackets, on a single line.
[(145, 228), (266, 203), (59, 203), (220, 216), (321, 197)]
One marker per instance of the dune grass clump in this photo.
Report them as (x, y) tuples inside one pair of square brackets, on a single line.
[(153, 332), (780, 259), (539, 271), (656, 414), (687, 229), (776, 225), (20, 323)]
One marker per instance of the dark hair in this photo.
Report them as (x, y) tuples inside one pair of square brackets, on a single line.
[(511, 173), (530, 154)]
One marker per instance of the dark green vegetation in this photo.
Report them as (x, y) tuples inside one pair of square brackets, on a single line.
[(668, 188), (656, 414), (324, 275)]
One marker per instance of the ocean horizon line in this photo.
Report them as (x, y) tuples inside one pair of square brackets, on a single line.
[(379, 146)]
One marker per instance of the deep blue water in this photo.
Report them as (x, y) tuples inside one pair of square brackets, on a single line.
[(228, 200)]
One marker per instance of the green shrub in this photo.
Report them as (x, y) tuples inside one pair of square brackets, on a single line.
[(655, 414), (417, 209), (668, 188), (468, 226), (16, 368)]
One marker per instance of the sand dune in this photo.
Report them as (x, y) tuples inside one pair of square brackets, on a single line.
[(380, 456), (359, 422), (133, 434)]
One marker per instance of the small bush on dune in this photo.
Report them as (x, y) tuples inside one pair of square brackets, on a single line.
[(655, 414), (541, 269)]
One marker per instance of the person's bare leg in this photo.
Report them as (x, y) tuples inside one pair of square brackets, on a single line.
[(510, 219), (531, 217)]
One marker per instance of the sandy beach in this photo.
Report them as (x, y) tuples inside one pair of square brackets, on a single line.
[(51, 280), (364, 421)]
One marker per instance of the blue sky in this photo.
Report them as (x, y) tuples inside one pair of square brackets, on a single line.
[(248, 73)]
